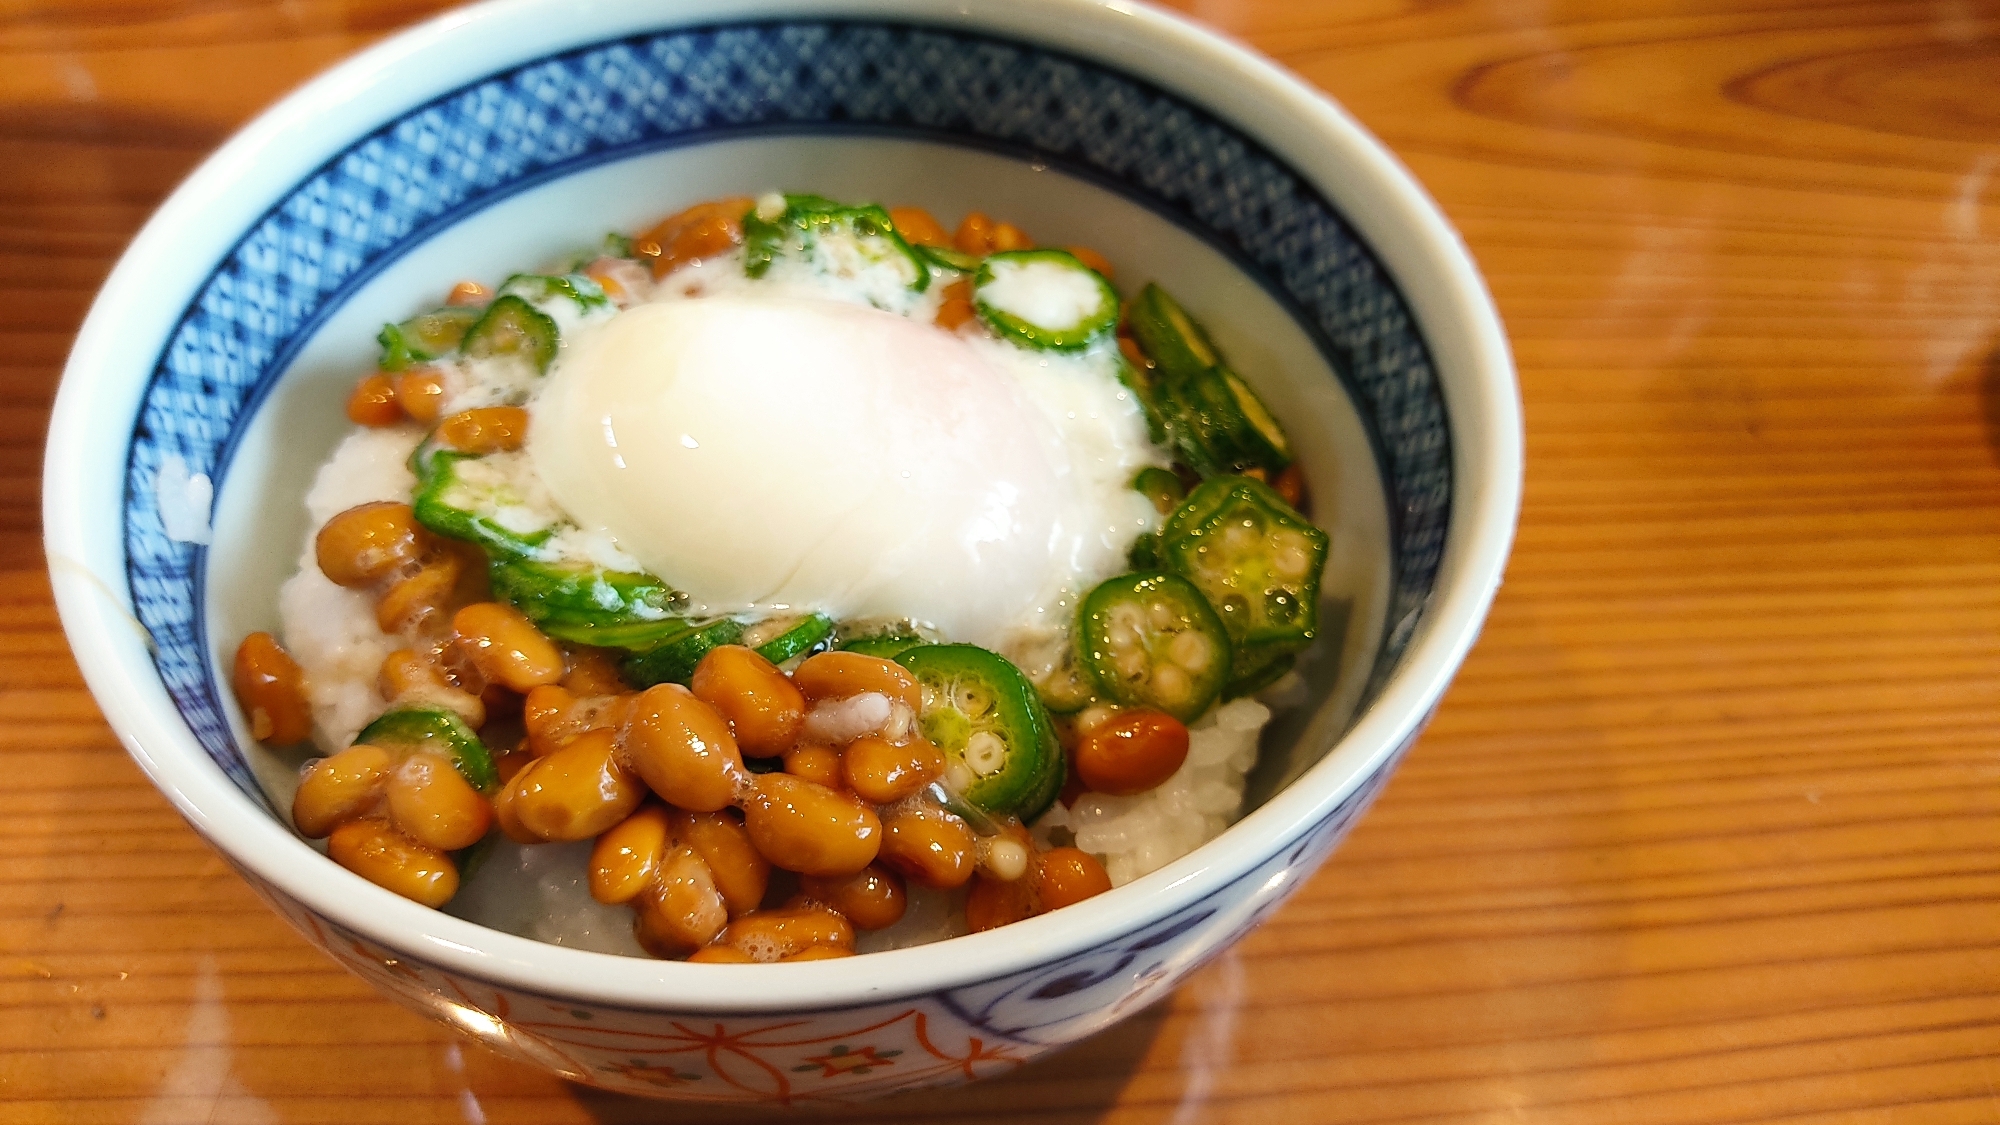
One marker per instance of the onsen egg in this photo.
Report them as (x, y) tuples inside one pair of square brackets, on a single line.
[(777, 452)]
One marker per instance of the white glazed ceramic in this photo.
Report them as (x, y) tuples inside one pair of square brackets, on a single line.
[(243, 308)]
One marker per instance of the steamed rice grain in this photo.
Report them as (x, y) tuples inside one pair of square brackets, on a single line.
[(1140, 834), (331, 630)]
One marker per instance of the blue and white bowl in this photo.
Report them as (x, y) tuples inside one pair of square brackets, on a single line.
[(206, 385)]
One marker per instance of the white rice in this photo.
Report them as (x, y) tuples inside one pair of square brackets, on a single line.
[(543, 892), (930, 916), (331, 630), (1140, 834)]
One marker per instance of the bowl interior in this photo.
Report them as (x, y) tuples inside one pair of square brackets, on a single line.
[(542, 159), (260, 521)]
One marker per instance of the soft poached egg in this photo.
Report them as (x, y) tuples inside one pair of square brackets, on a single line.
[(769, 452)]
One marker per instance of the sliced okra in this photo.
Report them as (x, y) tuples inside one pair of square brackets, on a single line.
[(1256, 560), (586, 604), (1152, 640), (1162, 487), (1045, 299), (585, 294), (784, 638), (478, 499), (511, 326), (426, 336), (1213, 418), (998, 739), (836, 239), (406, 730)]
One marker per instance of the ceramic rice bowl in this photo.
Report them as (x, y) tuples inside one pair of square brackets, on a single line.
[(226, 338)]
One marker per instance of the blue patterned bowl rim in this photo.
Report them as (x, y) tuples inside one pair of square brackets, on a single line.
[(424, 164)]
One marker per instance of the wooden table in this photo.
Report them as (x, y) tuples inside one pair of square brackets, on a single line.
[(1704, 832)]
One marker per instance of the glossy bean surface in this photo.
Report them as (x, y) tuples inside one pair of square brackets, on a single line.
[(407, 677), (369, 542), (1131, 752), (1067, 876), (808, 828), (817, 764), (433, 804), (410, 602), (837, 675), (271, 689), (627, 856), (682, 910), (930, 846), (871, 899), (919, 227), (991, 904), (881, 771), (373, 402), (388, 859), (740, 871), (683, 749), (420, 392), (506, 647), (339, 788), (594, 671), (485, 429), (575, 793), (721, 955), (770, 935), (764, 708), (699, 232)]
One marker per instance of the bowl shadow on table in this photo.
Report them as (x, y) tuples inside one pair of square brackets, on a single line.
[(1075, 1085)]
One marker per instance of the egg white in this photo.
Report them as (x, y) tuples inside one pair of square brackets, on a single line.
[(768, 449)]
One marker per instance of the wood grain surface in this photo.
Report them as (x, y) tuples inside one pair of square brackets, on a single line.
[(1704, 832)]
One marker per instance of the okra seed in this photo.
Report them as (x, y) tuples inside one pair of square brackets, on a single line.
[(958, 777), (1093, 717), (1169, 682), (1131, 663), (1003, 859), (972, 703), (1161, 615), (1190, 650), (985, 753), (1293, 556)]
